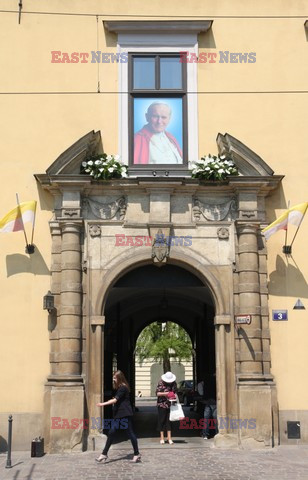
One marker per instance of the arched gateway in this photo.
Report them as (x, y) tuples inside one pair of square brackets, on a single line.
[(215, 230)]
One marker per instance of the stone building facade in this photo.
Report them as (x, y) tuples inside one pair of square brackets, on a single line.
[(227, 255)]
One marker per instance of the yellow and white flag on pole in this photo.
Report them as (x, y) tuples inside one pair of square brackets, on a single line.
[(14, 220), (294, 216)]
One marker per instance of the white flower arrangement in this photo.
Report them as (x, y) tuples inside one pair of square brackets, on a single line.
[(211, 167), (104, 167)]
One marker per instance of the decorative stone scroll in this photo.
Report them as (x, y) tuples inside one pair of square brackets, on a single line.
[(107, 211), (213, 211), (70, 212), (248, 213)]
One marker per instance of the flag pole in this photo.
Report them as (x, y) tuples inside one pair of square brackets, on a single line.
[(299, 225), (286, 236), (287, 249), (23, 227), (33, 228), (29, 247)]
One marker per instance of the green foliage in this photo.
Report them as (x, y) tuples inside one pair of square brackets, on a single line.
[(164, 342)]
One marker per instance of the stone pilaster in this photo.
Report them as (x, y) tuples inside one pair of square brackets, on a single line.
[(95, 384), (64, 395), (69, 355), (256, 388), (264, 308), (55, 290), (250, 346)]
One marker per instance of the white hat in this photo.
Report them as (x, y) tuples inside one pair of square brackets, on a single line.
[(168, 377)]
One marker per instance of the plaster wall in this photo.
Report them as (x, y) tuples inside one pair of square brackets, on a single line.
[(45, 107)]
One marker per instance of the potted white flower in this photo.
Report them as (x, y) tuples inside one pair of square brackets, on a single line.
[(104, 167), (211, 167)]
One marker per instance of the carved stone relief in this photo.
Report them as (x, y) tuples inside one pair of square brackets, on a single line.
[(160, 248), (223, 233), (248, 213), (107, 211), (70, 212), (95, 231), (213, 211)]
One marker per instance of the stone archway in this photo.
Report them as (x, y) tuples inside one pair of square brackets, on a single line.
[(218, 280), (223, 221)]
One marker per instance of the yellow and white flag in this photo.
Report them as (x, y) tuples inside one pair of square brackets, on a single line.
[(14, 220), (294, 216)]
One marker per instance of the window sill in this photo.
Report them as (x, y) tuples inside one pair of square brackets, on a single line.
[(159, 172)]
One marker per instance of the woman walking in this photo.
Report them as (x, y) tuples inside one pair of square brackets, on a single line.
[(165, 392), (122, 410)]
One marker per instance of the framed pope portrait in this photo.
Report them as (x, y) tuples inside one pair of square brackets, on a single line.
[(158, 131), (157, 113)]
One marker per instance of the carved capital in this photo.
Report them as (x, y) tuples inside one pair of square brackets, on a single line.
[(71, 226), (55, 228), (244, 228), (222, 320), (97, 320)]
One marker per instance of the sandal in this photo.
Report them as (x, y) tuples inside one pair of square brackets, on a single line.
[(102, 458), (170, 442), (136, 458), (162, 442)]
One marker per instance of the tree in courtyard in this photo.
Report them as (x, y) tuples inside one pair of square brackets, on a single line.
[(164, 342)]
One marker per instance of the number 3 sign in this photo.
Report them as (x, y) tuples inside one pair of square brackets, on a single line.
[(280, 314)]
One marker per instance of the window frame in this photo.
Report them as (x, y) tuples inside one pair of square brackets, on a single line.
[(139, 42), (159, 93)]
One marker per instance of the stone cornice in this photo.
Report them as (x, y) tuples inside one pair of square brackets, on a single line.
[(63, 175), (258, 184), (263, 183), (149, 26), (50, 182)]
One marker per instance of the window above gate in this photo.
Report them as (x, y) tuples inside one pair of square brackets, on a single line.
[(158, 132), (157, 111)]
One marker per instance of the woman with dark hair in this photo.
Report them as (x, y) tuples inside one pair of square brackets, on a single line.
[(165, 392), (123, 411)]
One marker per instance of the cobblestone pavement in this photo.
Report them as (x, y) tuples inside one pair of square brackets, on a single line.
[(196, 462), (190, 458)]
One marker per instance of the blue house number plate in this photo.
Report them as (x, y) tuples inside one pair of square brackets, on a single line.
[(280, 314)]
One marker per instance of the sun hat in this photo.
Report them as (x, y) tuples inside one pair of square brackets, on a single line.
[(168, 377)]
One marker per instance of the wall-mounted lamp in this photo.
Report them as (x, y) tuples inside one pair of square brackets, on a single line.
[(299, 305), (49, 302)]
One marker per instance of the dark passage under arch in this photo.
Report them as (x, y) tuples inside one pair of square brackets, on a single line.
[(136, 300)]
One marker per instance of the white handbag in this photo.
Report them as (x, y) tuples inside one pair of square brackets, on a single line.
[(176, 411)]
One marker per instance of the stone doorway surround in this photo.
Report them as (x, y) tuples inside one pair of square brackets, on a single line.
[(227, 254), (149, 294)]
